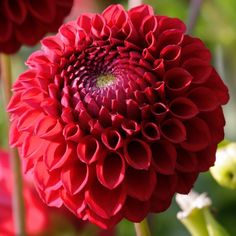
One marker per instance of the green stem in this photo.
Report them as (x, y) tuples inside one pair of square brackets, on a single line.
[(213, 227), (142, 228), (17, 197)]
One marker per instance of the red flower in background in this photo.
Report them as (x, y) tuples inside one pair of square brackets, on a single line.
[(116, 113), (26, 22), (35, 211)]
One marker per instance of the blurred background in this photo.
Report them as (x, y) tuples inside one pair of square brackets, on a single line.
[(216, 26)]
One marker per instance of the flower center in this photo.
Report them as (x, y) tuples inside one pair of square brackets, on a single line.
[(105, 80)]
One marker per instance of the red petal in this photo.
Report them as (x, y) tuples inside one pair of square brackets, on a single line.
[(177, 80), (112, 139), (74, 203), (150, 131), (106, 203), (186, 161), (183, 108), (89, 150), (200, 70), (164, 157), (58, 154), (111, 170), (44, 10), (45, 179), (198, 135), (131, 127), (163, 193), (135, 210), (71, 180), (204, 99), (206, 158), (173, 130), (140, 184), (185, 182), (137, 154), (159, 110)]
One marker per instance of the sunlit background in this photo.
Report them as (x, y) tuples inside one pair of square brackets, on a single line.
[(216, 26)]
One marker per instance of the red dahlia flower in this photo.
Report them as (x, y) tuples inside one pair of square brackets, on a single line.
[(26, 22), (34, 209), (116, 113)]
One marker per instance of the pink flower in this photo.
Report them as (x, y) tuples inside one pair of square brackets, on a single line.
[(26, 22), (35, 211), (116, 113)]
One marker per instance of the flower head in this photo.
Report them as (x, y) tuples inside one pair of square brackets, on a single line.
[(26, 22), (116, 113)]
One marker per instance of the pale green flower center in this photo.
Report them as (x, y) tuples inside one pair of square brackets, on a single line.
[(105, 80)]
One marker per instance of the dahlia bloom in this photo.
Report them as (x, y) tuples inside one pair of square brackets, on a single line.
[(117, 113), (34, 208), (26, 22)]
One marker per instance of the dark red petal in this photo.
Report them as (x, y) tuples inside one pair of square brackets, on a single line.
[(111, 170), (24, 34), (185, 182), (137, 153), (166, 23), (163, 193), (173, 130), (183, 108), (215, 121), (137, 14), (198, 135), (206, 158), (204, 99), (186, 161), (177, 80), (140, 183), (164, 157), (44, 10), (171, 55), (150, 131), (5, 28), (149, 23), (170, 37), (194, 48), (106, 203), (15, 10), (200, 70), (131, 127), (216, 84), (133, 110), (135, 210), (159, 110)]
